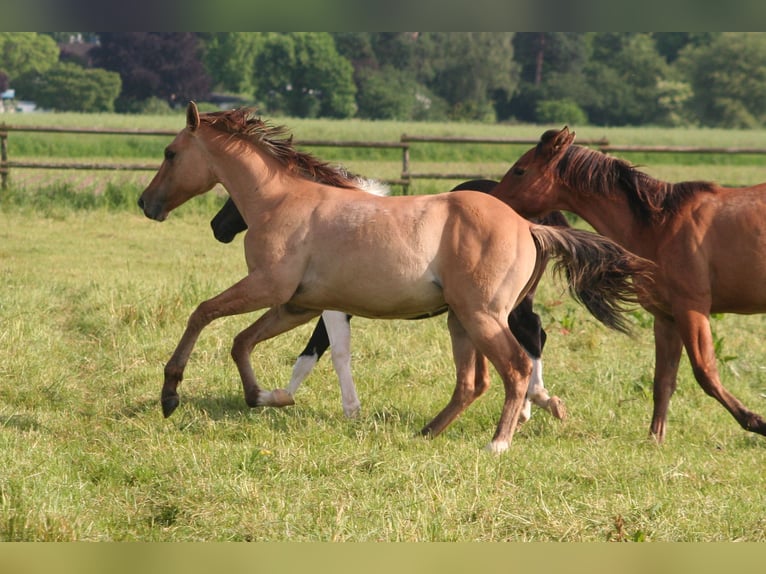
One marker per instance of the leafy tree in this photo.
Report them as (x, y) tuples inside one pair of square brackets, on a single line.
[(728, 79), (69, 87), (626, 78), (400, 50), (670, 44), (302, 74), (230, 59), (160, 64), (389, 93), (472, 71), (551, 66), (357, 48), (22, 52), (541, 53)]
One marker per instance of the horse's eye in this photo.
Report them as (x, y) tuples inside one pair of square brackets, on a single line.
[(169, 154), (519, 171)]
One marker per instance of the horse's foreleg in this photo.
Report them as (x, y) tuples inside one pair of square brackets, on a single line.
[(667, 352), (468, 387), (234, 300), (538, 394), (698, 340), (339, 332), (318, 343), (273, 322)]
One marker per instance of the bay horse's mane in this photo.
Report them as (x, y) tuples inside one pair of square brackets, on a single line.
[(651, 200), (277, 141)]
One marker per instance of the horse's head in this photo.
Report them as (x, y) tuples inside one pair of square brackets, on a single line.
[(530, 186), (227, 222), (184, 173)]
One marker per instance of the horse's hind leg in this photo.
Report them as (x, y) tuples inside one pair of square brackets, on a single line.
[(333, 331), (667, 356), (526, 326), (698, 340), (339, 332), (495, 340), (472, 378)]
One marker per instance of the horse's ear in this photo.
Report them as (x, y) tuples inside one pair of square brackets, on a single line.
[(554, 143), (192, 116), (563, 139)]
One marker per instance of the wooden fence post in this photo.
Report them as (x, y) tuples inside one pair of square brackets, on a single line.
[(4, 156), (405, 168)]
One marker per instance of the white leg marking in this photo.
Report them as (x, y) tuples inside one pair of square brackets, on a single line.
[(301, 370), (339, 332), (536, 391), (275, 398), (498, 447)]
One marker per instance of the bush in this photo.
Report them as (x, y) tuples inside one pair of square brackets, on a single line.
[(69, 87), (560, 112)]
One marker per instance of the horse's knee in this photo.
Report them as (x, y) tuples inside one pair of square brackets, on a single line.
[(240, 347)]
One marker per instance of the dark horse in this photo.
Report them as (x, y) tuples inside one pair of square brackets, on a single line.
[(708, 243), (524, 323)]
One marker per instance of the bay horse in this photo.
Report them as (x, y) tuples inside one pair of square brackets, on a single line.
[(333, 329), (316, 242), (707, 241)]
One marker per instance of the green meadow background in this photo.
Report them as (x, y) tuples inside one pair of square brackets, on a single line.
[(94, 296)]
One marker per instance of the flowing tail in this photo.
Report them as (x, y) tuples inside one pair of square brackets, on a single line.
[(601, 275)]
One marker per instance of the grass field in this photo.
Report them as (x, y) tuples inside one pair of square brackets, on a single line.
[(93, 297)]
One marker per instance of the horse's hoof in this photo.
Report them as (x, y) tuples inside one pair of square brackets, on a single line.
[(497, 447), (169, 404), (557, 408), (281, 398)]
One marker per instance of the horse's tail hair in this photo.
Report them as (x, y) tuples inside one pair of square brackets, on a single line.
[(604, 277)]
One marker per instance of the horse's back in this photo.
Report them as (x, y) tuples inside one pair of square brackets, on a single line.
[(717, 246)]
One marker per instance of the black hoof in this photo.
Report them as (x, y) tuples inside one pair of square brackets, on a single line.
[(169, 404)]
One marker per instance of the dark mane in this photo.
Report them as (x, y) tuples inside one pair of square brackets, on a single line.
[(651, 200), (277, 141)]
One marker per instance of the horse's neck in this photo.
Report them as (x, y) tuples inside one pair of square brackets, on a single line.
[(613, 218), (253, 180)]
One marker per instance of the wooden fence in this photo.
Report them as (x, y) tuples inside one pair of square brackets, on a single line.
[(405, 142)]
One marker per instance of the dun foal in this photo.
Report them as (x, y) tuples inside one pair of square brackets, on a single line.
[(333, 329), (315, 242)]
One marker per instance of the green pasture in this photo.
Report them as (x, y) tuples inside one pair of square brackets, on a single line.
[(93, 298)]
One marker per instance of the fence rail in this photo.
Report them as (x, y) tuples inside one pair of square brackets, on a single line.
[(405, 142)]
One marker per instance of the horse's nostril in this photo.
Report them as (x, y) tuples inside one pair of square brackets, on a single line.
[(141, 202)]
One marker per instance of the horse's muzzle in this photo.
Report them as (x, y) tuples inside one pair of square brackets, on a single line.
[(152, 211)]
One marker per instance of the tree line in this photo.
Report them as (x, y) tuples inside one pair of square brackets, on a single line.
[(599, 78)]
